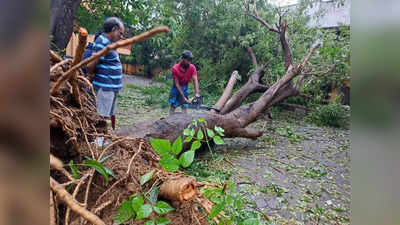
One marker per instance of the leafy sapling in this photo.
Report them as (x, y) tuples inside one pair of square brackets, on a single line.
[(137, 208)]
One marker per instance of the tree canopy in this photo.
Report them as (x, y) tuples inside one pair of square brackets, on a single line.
[(220, 34)]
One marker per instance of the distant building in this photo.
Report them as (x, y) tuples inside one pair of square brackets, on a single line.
[(328, 13), (333, 15)]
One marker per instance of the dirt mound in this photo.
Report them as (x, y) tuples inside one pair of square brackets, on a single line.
[(79, 191)]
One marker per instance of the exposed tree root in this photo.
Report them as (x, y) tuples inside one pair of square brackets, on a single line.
[(52, 210), (74, 125), (54, 57), (73, 204)]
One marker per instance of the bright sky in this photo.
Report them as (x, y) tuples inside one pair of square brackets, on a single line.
[(283, 2)]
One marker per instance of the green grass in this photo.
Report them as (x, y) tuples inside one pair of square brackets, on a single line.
[(153, 95)]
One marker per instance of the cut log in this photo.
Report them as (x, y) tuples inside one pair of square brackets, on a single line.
[(182, 189)]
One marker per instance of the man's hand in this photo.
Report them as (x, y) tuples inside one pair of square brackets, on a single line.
[(197, 95), (185, 100)]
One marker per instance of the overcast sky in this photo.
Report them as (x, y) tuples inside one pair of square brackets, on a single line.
[(283, 2)]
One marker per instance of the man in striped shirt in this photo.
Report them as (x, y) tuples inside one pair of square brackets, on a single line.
[(107, 81)]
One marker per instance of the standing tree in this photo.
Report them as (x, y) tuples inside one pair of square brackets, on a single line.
[(62, 15)]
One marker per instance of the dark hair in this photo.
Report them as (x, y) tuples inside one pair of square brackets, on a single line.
[(112, 22), (187, 55)]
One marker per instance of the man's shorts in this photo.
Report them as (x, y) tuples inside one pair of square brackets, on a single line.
[(175, 98), (106, 102)]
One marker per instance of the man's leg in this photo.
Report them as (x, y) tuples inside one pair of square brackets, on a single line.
[(113, 122), (114, 105), (173, 99), (171, 110)]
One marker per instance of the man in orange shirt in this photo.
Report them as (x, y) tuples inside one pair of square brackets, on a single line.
[(183, 73)]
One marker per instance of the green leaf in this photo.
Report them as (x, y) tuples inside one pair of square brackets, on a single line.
[(162, 221), (144, 211), (162, 208), (74, 169), (230, 185), (238, 204), (146, 177), (150, 222), (202, 120), (161, 146), (219, 130), (218, 140), (188, 139), (195, 145), (98, 167), (169, 163), (186, 158), (137, 201), (200, 135), (216, 209), (192, 132), (177, 146), (124, 212), (187, 132), (105, 158), (229, 200), (109, 171), (210, 133), (152, 195)]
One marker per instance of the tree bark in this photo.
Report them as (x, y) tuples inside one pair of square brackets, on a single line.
[(285, 46), (253, 85), (62, 15), (252, 56), (227, 92)]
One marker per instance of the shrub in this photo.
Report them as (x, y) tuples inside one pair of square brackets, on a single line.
[(332, 114)]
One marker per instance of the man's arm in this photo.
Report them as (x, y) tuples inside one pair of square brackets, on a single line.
[(92, 66), (178, 87)]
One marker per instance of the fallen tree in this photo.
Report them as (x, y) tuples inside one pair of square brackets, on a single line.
[(233, 116)]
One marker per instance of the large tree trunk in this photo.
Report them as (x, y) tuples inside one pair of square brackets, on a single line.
[(235, 122), (62, 15)]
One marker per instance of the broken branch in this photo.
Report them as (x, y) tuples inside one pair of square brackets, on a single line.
[(80, 49), (54, 57), (227, 92)]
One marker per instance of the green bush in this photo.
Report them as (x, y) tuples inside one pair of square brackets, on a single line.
[(332, 114)]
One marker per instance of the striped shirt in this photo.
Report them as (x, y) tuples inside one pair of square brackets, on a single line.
[(109, 68)]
